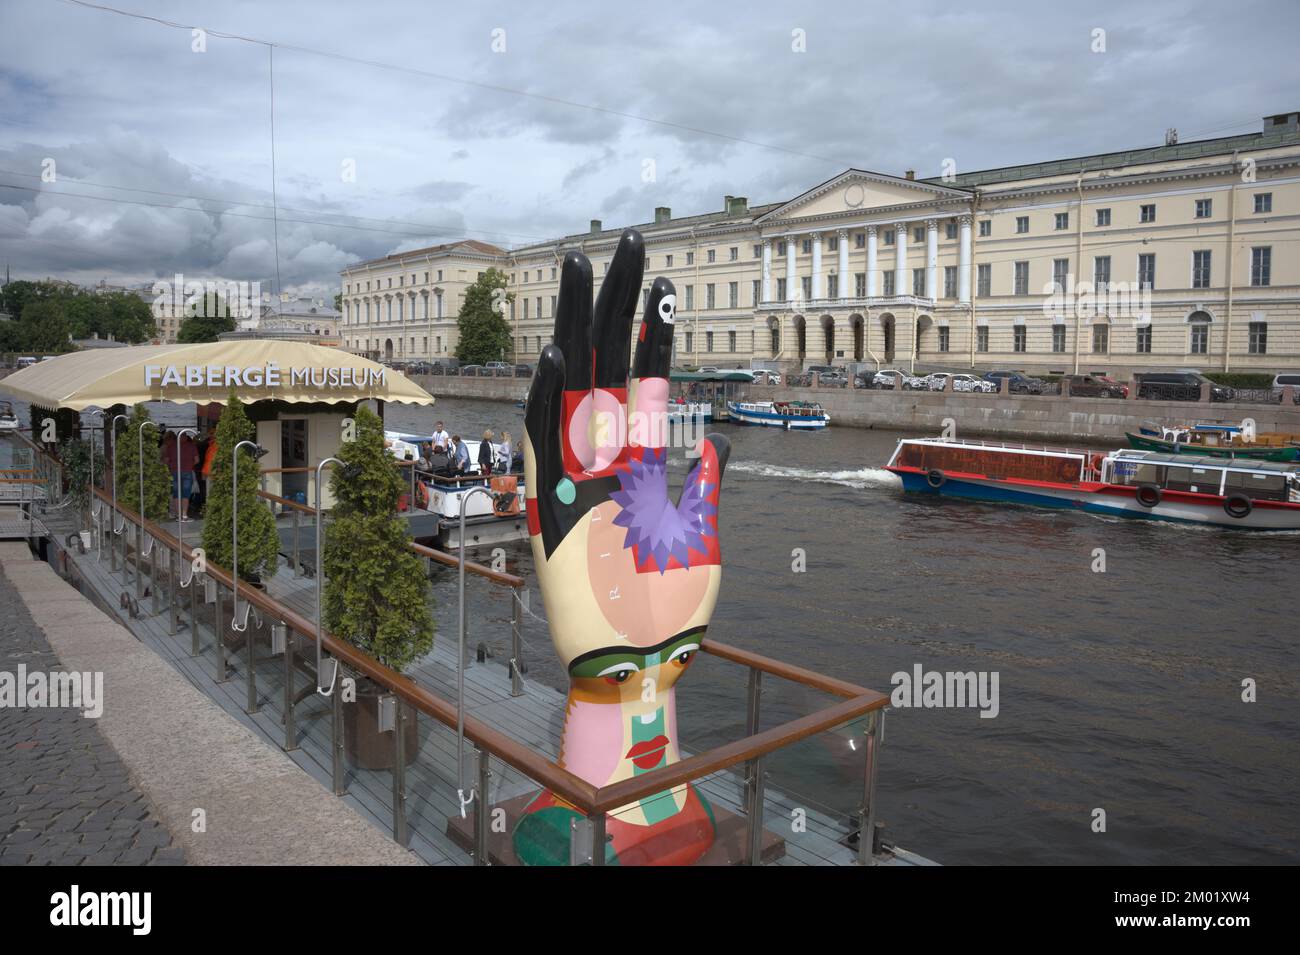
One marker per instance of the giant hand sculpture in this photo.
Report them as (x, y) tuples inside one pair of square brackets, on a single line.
[(629, 578)]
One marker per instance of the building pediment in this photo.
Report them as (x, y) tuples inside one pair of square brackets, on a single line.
[(856, 191)]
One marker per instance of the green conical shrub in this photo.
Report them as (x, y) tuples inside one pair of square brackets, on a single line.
[(259, 542), (158, 488), (376, 592)]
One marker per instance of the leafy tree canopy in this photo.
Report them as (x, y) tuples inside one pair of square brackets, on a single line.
[(206, 320), (484, 332), (259, 542)]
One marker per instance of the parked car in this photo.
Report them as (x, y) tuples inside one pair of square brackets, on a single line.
[(523, 371), (473, 370), (1180, 386), (892, 378), (970, 383), (1096, 386), (1018, 383), (832, 379), (1284, 379)]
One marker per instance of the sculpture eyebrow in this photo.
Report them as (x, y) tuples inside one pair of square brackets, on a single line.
[(634, 652)]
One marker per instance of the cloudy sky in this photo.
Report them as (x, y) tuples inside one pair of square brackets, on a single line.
[(399, 124)]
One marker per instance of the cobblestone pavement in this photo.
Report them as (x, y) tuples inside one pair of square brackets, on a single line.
[(65, 796)]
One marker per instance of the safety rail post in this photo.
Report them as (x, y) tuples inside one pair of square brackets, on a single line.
[(597, 820), (516, 643), (218, 636), (336, 735), (874, 737), (399, 771), (482, 815), (753, 695), (251, 649), (153, 575), (173, 558), (297, 564), (195, 581), (754, 813), (290, 719)]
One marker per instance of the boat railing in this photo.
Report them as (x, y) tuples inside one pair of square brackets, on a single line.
[(854, 710), (1003, 445)]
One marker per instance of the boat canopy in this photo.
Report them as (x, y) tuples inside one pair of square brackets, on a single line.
[(735, 374), (260, 370), (1205, 461)]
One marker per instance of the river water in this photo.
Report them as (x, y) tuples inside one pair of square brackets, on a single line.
[(1119, 691)]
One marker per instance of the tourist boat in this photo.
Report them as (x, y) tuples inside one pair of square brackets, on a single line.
[(1219, 441), (1227, 492), (791, 415), (681, 411), (8, 420)]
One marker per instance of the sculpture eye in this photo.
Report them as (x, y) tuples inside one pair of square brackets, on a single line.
[(684, 658), (618, 673), (685, 653), (668, 308)]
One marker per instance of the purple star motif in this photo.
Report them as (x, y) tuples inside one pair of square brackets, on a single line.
[(655, 527)]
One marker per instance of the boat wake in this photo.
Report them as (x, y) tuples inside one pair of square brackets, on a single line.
[(860, 478)]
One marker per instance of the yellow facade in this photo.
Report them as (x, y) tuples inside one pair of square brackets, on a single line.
[(957, 271)]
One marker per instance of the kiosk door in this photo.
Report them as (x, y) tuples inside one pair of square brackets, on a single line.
[(293, 454)]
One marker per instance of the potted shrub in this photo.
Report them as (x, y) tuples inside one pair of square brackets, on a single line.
[(375, 591), (75, 455), (157, 479), (259, 541)]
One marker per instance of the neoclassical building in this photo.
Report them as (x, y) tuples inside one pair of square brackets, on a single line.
[(1175, 256)]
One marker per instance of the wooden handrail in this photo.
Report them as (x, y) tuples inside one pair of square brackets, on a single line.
[(587, 798)]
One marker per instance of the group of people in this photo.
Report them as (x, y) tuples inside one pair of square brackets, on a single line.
[(447, 455)]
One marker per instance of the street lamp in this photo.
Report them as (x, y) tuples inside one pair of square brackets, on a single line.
[(349, 471), (94, 411), (258, 452), (112, 518)]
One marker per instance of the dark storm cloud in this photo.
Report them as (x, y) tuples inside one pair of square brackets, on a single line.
[(129, 111)]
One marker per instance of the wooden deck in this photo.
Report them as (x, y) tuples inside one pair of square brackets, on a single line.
[(432, 807)]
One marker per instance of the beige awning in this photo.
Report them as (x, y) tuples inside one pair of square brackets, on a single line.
[(258, 371)]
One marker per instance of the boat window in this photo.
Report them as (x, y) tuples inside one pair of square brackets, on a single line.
[(1262, 487), (1196, 480), (1146, 474)]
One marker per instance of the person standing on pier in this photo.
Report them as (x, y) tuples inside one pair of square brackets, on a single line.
[(181, 461)]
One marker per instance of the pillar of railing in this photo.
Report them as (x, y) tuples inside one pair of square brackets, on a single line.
[(874, 737), (482, 813), (153, 576), (290, 693), (754, 813), (516, 643), (217, 623), (297, 564), (399, 772), (597, 820), (336, 736), (753, 695)]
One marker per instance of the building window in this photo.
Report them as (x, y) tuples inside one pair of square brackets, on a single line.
[(805, 287), (708, 341), (982, 338), (731, 341), (860, 240), (919, 234), (889, 237), (690, 339), (1201, 269), (950, 281), (552, 274), (1022, 224), (1101, 338), (780, 290), (755, 286), (1203, 207), (1060, 274), (950, 230), (984, 280), (1147, 213), (1200, 333), (1062, 221), (709, 299), (889, 282), (943, 338), (1263, 202), (552, 304), (1261, 265), (668, 261), (1259, 338), (758, 251), (860, 284), (1021, 278), (1018, 338), (733, 295), (1103, 217), (805, 247), (1147, 270), (733, 253), (833, 243), (539, 275), (1058, 339), (1144, 339), (712, 256), (918, 282), (1101, 273), (833, 286), (690, 258), (780, 248), (525, 309), (986, 227)]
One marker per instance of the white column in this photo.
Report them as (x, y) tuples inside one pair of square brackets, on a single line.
[(790, 291), (767, 270), (817, 289), (963, 267), (845, 277), (872, 267), (902, 283), (932, 258)]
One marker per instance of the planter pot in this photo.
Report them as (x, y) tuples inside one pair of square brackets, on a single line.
[(363, 743), (85, 540)]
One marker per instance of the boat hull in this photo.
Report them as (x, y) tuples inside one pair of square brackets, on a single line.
[(1108, 499), (1145, 442)]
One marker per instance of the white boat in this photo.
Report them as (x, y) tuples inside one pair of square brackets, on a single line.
[(790, 415), (8, 420), (1226, 492)]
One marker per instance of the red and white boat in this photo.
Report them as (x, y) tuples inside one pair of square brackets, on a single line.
[(1260, 495)]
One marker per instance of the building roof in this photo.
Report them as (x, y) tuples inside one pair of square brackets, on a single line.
[(469, 245)]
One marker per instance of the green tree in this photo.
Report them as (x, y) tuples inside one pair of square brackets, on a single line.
[(75, 455), (46, 322), (484, 332), (375, 588), (206, 320), (128, 318), (158, 485), (259, 541)]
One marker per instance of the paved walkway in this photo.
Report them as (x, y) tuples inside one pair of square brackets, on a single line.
[(166, 754), (66, 798)]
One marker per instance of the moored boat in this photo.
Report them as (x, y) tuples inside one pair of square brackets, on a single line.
[(8, 420), (791, 415), (1227, 492), (1217, 444)]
